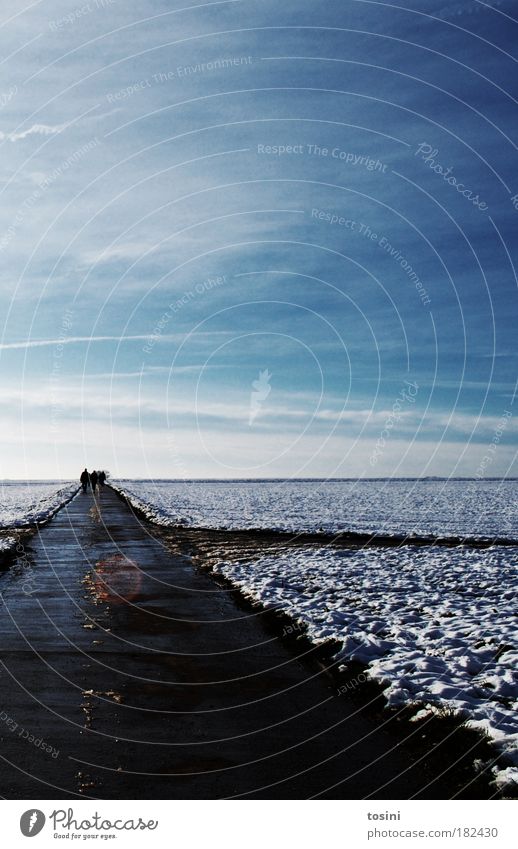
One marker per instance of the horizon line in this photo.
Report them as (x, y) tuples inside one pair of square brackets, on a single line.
[(274, 479)]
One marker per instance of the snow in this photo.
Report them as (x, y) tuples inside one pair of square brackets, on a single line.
[(7, 544), (436, 626), (25, 503), (466, 508)]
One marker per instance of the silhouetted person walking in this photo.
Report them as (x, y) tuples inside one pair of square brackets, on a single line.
[(101, 480), (93, 480), (85, 479)]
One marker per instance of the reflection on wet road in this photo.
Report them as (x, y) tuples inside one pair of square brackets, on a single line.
[(116, 579)]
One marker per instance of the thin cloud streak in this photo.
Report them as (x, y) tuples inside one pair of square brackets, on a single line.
[(72, 340), (36, 129)]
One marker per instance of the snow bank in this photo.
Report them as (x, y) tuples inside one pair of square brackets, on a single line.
[(30, 502), (7, 544)]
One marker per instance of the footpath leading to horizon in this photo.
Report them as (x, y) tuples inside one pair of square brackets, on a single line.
[(128, 673)]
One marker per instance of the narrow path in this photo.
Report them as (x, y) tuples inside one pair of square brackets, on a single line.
[(126, 673)]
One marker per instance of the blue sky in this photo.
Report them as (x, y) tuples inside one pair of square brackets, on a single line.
[(195, 194)]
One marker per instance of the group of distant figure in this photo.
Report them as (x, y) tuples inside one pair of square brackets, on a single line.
[(92, 479)]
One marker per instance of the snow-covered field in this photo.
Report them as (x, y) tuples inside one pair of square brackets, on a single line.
[(436, 626), (24, 503), (425, 507)]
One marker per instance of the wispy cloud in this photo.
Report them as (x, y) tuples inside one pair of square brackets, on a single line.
[(71, 340), (129, 250), (139, 337), (473, 7), (35, 130)]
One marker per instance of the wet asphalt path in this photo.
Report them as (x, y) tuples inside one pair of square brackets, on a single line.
[(127, 673)]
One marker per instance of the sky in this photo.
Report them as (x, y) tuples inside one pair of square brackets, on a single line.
[(250, 239)]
